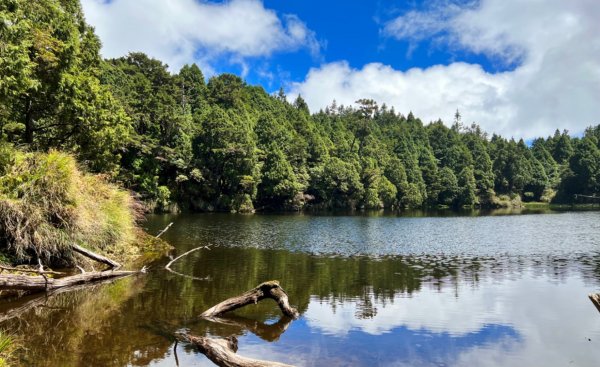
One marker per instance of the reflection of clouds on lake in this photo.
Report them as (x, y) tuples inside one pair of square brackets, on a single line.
[(427, 309), (537, 335), (529, 320)]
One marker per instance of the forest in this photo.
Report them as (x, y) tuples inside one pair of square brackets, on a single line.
[(182, 142)]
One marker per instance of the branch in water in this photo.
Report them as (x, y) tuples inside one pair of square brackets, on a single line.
[(164, 230), (168, 266), (270, 289), (222, 352)]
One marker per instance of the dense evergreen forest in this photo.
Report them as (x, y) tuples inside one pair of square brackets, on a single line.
[(181, 141)]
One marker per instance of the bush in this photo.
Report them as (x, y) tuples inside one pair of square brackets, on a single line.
[(47, 204)]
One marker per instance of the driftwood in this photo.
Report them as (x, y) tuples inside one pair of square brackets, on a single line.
[(222, 352), (270, 289), (168, 266), (97, 257), (164, 230), (43, 283), (595, 298)]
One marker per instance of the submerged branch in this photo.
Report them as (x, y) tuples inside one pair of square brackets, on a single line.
[(42, 299), (222, 352)]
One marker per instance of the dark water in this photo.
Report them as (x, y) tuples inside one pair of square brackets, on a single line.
[(507, 290)]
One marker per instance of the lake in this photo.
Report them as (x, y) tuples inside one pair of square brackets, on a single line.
[(372, 290)]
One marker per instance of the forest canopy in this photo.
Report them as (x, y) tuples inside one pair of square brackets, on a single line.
[(181, 141)]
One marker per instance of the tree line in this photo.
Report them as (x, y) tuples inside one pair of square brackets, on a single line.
[(179, 140)]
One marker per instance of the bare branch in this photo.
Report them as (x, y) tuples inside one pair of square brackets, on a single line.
[(270, 289)]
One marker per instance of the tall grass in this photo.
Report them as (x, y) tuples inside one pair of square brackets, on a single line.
[(6, 348), (47, 204)]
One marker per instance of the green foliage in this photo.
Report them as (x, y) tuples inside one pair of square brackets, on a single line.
[(49, 66), (449, 187), (179, 141), (338, 183), (467, 187)]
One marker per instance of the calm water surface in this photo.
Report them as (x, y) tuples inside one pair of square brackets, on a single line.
[(507, 290)]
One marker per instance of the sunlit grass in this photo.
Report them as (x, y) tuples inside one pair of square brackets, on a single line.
[(7, 346), (47, 203)]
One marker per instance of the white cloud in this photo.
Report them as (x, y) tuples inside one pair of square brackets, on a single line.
[(556, 84), (185, 31)]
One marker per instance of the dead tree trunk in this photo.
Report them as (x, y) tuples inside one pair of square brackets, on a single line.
[(94, 256), (43, 283), (595, 298), (270, 289), (223, 352)]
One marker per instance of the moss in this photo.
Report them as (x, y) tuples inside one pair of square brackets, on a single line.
[(47, 203)]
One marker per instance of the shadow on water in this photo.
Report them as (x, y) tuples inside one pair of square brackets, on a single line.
[(390, 295)]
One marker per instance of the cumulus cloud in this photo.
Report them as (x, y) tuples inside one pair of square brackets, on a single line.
[(184, 31), (555, 85)]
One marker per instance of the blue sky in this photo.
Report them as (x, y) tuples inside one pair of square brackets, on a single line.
[(520, 68), (353, 31)]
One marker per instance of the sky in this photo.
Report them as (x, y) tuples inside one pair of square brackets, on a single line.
[(520, 68)]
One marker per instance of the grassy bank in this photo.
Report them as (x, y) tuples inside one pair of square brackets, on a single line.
[(47, 203), (541, 205)]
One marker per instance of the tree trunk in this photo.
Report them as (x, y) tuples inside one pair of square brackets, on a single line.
[(222, 353), (270, 289)]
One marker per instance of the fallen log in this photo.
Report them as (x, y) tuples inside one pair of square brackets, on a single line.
[(595, 298), (222, 352), (270, 289), (43, 283), (97, 257)]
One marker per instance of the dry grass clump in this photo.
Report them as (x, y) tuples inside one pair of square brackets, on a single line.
[(47, 204)]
